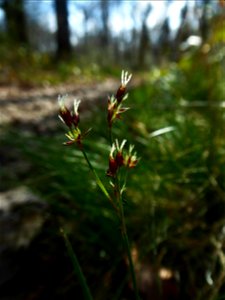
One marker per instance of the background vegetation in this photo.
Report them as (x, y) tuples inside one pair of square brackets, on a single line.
[(175, 199)]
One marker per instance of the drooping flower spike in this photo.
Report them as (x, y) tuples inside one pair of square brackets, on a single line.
[(115, 108), (113, 167), (119, 154), (131, 158), (119, 157), (71, 119), (121, 92), (64, 113), (115, 157)]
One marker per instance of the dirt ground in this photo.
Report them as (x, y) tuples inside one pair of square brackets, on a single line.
[(32, 105)]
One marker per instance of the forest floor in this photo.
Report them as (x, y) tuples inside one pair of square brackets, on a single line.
[(31, 106), (20, 105)]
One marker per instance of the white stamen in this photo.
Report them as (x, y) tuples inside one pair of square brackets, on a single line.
[(113, 148), (125, 78), (61, 100), (131, 148), (112, 102), (120, 147), (61, 119), (76, 106), (122, 144)]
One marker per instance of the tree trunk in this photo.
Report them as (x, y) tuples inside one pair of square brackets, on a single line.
[(63, 33), (144, 45), (204, 22), (104, 5), (15, 20)]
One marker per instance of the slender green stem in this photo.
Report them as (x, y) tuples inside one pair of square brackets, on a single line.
[(77, 268), (98, 181), (126, 240), (110, 135), (131, 265), (125, 179)]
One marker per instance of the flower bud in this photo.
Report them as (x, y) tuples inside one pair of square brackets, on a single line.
[(116, 159), (113, 167), (119, 159), (121, 92), (66, 116), (131, 159), (64, 113)]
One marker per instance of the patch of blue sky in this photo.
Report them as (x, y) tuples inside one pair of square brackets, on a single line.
[(127, 16), (122, 18), (160, 10)]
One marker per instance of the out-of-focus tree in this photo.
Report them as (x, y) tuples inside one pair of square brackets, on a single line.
[(63, 32), (88, 10), (161, 33), (204, 19), (134, 43), (41, 37), (15, 20), (144, 38), (104, 6), (183, 32), (97, 35), (164, 39)]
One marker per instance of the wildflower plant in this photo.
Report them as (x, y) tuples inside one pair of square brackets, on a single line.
[(121, 159), (115, 103), (71, 119)]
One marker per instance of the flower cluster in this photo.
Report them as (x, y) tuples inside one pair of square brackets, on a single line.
[(118, 157), (71, 119), (115, 108)]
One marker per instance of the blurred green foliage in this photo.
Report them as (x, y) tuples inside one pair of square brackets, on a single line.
[(20, 65)]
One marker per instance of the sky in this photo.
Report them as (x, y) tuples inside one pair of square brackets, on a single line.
[(158, 13), (123, 20), (119, 22)]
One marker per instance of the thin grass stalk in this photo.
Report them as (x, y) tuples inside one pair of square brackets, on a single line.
[(126, 240), (76, 267), (98, 181), (131, 265), (110, 136)]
